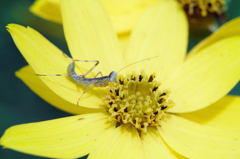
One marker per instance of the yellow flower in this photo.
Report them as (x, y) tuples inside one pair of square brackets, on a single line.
[(125, 14), (204, 7), (204, 16), (200, 80)]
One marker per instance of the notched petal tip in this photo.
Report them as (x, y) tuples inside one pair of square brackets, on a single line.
[(16, 29), (4, 139), (10, 27)]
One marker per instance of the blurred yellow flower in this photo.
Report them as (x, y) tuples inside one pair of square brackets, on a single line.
[(125, 14), (134, 118), (203, 7), (204, 16)]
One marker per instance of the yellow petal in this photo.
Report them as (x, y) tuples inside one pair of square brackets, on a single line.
[(28, 76), (47, 9), (45, 58), (125, 14), (69, 137), (156, 34), (122, 142), (90, 35), (229, 29), (50, 10), (154, 146), (222, 114), (199, 141), (206, 77), (123, 39)]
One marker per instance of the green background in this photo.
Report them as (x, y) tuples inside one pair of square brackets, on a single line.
[(18, 104)]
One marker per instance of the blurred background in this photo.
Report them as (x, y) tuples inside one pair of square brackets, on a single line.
[(18, 104)]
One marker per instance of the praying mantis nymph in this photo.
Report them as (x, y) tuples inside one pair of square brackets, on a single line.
[(95, 81)]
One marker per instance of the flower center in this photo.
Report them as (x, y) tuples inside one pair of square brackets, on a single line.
[(137, 100), (203, 7)]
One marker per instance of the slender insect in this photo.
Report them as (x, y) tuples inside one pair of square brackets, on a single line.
[(95, 81)]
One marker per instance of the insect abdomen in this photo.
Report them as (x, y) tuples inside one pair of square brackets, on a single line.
[(71, 71)]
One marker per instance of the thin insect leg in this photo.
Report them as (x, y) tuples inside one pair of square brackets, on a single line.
[(97, 62), (67, 56), (87, 84), (83, 76), (79, 60), (89, 87), (98, 74), (84, 92), (57, 75)]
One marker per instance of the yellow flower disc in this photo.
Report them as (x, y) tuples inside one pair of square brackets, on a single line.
[(137, 100), (203, 7)]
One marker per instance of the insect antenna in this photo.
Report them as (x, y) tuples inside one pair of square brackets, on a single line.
[(136, 62)]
